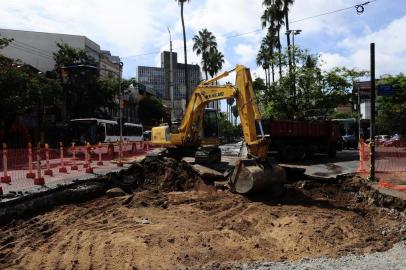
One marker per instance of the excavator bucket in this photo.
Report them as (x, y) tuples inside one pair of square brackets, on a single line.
[(249, 176)]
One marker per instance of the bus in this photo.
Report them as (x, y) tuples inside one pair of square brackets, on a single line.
[(93, 131)]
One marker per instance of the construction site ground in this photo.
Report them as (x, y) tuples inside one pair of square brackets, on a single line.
[(174, 219)]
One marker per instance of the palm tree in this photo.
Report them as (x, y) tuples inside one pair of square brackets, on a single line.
[(285, 10), (204, 44), (273, 17), (181, 2), (262, 60), (215, 62)]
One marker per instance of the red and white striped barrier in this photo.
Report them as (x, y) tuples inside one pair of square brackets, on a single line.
[(74, 167), (62, 169), (100, 162), (5, 178), (30, 173), (88, 167), (120, 154), (48, 170)]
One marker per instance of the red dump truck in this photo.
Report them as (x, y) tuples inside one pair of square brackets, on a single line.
[(296, 140)]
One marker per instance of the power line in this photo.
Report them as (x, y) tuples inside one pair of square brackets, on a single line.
[(359, 9)]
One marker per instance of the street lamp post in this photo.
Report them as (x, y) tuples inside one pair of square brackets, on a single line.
[(121, 103), (294, 33), (171, 77)]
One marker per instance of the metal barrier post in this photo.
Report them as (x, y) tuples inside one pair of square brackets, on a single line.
[(89, 168), (74, 167), (48, 170), (39, 180), (30, 173), (100, 162), (62, 169), (5, 178)]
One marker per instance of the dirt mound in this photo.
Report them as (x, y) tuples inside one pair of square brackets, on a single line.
[(162, 174)]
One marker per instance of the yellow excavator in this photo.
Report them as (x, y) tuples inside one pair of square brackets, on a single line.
[(198, 133)]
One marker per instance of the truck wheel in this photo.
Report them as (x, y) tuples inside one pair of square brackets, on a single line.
[(332, 151)]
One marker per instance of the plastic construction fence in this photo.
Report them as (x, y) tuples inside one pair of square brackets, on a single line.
[(22, 169), (390, 165)]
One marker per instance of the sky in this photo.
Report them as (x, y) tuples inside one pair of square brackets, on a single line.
[(136, 30)]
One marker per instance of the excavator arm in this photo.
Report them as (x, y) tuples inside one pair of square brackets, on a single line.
[(207, 92)]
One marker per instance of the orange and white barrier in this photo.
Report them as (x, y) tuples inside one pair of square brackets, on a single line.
[(30, 173), (74, 167), (39, 180), (120, 154), (88, 167), (100, 162), (362, 156), (48, 170), (5, 178), (62, 169)]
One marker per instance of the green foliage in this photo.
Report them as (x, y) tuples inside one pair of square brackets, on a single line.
[(318, 92), (227, 129), (391, 117), (23, 89), (205, 45), (150, 111)]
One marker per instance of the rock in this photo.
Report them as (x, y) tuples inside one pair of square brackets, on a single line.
[(145, 221), (206, 172), (115, 192)]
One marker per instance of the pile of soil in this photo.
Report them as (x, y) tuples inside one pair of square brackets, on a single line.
[(162, 174), (173, 221)]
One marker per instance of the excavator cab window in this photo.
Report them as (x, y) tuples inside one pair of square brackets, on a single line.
[(210, 123)]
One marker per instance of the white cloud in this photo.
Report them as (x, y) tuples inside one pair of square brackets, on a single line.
[(246, 53), (390, 50)]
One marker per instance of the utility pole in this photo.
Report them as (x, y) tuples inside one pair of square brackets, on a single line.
[(372, 126), (121, 102), (171, 78)]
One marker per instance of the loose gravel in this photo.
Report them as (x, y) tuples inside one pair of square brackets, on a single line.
[(393, 259)]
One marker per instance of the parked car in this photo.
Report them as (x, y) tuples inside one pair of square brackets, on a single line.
[(396, 141), (381, 139)]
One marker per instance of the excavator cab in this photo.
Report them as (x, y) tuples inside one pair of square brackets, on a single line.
[(210, 124)]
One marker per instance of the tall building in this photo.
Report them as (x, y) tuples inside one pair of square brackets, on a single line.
[(36, 49), (156, 79)]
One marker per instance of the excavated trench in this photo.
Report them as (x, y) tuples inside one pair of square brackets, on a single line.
[(171, 218)]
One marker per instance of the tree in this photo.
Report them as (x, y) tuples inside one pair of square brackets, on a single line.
[(150, 111), (227, 129), (391, 111), (24, 91), (205, 44), (273, 18), (215, 62), (318, 92), (263, 61), (78, 71), (181, 3)]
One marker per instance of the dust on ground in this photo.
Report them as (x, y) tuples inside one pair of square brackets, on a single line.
[(175, 220)]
